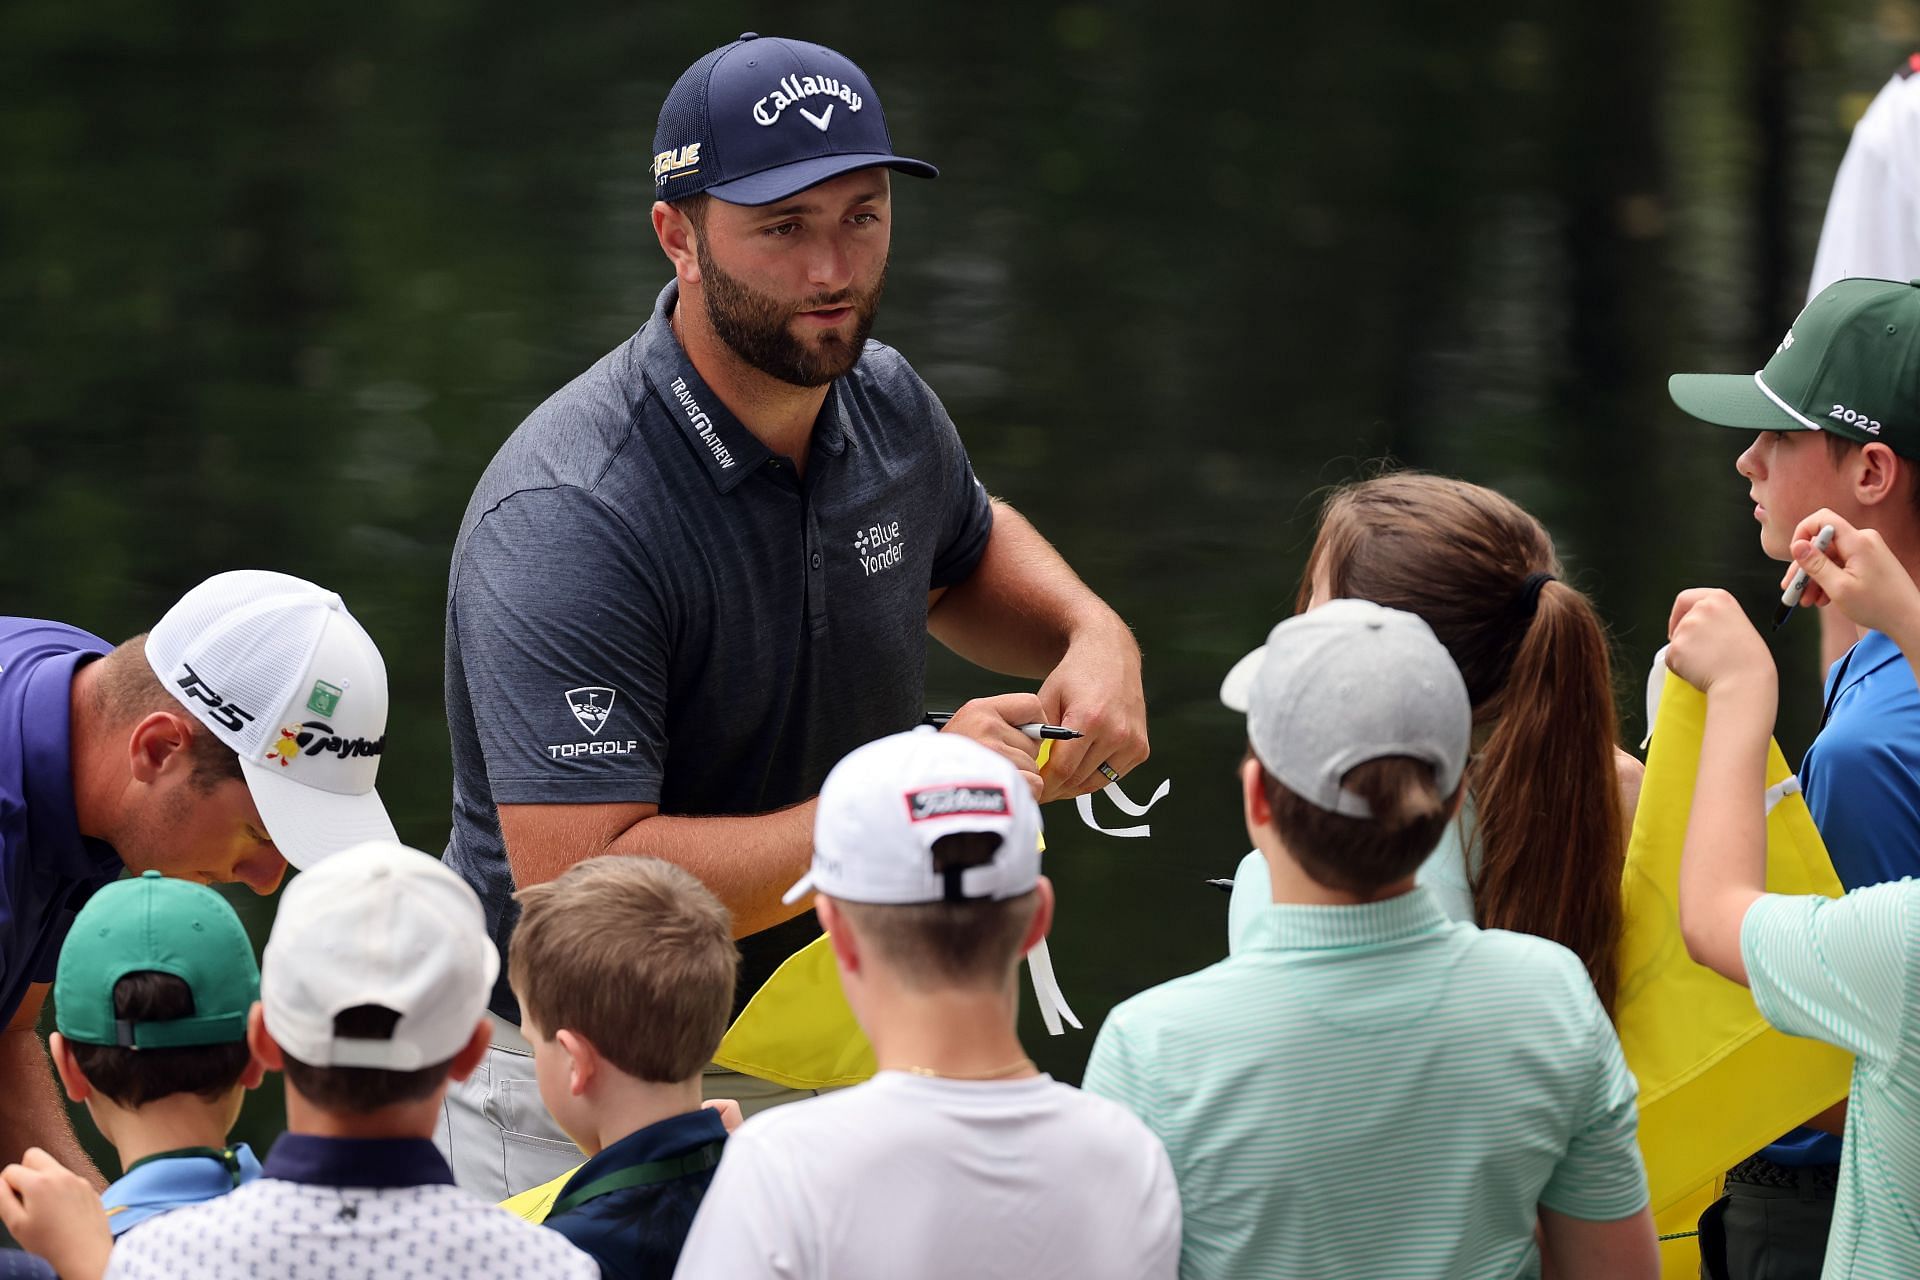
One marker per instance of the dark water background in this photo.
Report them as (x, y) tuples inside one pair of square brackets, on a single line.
[(275, 281)]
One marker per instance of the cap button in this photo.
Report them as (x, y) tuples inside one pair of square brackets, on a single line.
[(150, 875), (749, 35)]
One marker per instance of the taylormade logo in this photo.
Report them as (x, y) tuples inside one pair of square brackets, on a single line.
[(946, 802), (701, 423), (799, 88)]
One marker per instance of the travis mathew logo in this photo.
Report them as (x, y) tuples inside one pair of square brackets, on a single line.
[(951, 801), (701, 422), (879, 546), (794, 89), (591, 705)]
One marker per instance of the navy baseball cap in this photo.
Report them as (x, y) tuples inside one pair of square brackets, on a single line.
[(759, 119)]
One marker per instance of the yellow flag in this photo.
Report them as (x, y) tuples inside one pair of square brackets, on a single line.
[(1716, 1082), (797, 1030), (535, 1203)]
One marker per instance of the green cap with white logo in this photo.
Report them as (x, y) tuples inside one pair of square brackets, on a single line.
[(1850, 365), (151, 923)]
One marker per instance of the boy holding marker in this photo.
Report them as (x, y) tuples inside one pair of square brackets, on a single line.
[(624, 970), (1846, 970), (152, 993)]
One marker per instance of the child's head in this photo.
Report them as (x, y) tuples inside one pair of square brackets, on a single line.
[(374, 983), (151, 997), (927, 857), (1359, 726), (1837, 409), (625, 964)]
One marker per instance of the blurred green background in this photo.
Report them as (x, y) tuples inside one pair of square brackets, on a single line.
[(277, 280)]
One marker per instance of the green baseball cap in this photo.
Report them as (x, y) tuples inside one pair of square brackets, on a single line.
[(1850, 365), (167, 926)]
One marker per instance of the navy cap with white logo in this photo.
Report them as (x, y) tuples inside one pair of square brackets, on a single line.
[(759, 119)]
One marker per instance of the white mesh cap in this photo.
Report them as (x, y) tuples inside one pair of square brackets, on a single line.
[(378, 924), (883, 806), (281, 672)]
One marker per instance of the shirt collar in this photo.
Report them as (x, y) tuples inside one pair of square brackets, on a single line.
[(357, 1162), (47, 769), (1286, 926), (727, 449), (661, 1140), (172, 1181), (1871, 652)]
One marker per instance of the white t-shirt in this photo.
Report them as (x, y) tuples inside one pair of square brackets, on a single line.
[(299, 1231), (1873, 218), (913, 1176)]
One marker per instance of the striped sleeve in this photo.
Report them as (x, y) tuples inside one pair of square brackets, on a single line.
[(1836, 969), (1602, 1177), (1114, 1072)]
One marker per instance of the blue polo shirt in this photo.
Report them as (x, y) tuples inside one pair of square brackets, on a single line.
[(1861, 779), (636, 1232), (152, 1186), (47, 868)]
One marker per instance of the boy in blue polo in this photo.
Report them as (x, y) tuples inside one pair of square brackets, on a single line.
[(1845, 970), (622, 1075), (152, 992), (1366, 1088)]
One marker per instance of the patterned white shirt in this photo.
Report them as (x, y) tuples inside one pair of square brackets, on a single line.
[(337, 1209)]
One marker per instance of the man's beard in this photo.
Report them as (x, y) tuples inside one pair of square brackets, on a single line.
[(755, 326)]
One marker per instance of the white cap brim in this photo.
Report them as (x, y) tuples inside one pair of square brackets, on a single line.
[(307, 823), (1236, 691), (801, 888)]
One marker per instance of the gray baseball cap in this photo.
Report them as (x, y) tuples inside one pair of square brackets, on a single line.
[(1346, 683)]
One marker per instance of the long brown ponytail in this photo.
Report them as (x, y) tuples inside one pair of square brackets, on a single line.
[(1552, 833)]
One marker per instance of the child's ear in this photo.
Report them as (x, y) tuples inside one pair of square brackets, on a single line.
[(583, 1060), (846, 947), (266, 1051), (255, 1073), (67, 1067)]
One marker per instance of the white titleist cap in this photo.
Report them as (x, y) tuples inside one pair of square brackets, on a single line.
[(885, 804), (281, 672), (379, 924), (1347, 683)]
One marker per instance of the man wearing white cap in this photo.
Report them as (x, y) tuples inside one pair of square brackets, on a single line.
[(242, 733), (959, 1158), (373, 994), (1366, 1088)]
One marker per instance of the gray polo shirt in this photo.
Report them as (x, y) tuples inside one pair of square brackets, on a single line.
[(646, 606)]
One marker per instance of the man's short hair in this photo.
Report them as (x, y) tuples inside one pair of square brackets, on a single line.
[(360, 1090), (636, 955), (127, 690), (1362, 855), (929, 946), (695, 208), (135, 1077)]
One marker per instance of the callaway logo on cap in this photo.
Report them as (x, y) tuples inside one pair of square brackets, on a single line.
[(1850, 365), (759, 119), (281, 673)]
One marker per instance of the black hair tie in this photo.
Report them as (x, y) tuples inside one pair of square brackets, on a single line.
[(1530, 593)]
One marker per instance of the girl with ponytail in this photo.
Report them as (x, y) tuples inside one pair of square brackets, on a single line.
[(1541, 840)]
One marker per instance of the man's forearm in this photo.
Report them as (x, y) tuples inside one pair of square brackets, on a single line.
[(748, 862), (33, 1114), (1022, 606)]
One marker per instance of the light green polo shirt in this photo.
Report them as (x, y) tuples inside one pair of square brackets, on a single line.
[(1845, 970), (1378, 1091)]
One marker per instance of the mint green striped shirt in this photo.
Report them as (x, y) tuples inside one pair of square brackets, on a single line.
[(1378, 1091), (1844, 970)]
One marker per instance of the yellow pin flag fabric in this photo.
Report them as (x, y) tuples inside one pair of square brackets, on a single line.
[(535, 1203), (1716, 1082)]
